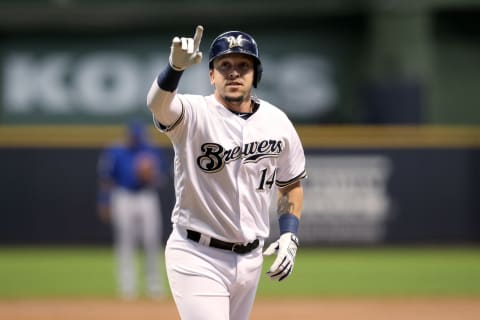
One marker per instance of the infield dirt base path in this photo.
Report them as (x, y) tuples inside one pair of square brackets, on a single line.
[(264, 309)]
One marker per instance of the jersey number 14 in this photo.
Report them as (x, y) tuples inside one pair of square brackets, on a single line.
[(267, 181)]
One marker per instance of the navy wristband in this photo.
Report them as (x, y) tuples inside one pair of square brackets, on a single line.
[(288, 223), (169, 78)]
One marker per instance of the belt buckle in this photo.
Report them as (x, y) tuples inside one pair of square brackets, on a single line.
[(241, 248), (234, 247)]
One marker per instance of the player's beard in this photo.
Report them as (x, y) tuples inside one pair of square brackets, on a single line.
[(241, 97), (234, 99)]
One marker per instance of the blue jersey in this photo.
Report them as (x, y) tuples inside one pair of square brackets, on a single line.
[(118, 164)]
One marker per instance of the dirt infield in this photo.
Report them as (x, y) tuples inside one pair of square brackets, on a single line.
[(264, 309)]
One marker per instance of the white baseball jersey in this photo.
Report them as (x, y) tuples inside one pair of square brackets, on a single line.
[(226, 167)]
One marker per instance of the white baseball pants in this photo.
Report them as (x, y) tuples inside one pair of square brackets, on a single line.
[(136, 218), (209, 283)]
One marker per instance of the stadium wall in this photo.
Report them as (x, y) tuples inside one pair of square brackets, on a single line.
[(366, 185)]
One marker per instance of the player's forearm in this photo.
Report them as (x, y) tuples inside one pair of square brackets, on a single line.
[(290, 200), (289, 207), (161, 98)]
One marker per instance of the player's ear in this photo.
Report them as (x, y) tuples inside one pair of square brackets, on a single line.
[(212, 77)]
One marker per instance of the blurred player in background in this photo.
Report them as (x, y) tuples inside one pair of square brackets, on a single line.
[(130, 175), (232, 152)]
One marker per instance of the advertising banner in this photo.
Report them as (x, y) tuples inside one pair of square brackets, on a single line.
[(90, 78)]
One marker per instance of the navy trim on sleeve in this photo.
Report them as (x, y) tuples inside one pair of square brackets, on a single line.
[(164, 128), (283, 184)]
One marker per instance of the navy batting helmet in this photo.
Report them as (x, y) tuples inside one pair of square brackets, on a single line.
[(236, 42)]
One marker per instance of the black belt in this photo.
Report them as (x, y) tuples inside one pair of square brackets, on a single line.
[(239, 248)]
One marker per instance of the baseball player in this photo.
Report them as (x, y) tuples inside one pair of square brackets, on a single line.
[(232, 150), (129, 176)]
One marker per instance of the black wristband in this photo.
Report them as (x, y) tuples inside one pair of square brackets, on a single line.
[(169, 78)]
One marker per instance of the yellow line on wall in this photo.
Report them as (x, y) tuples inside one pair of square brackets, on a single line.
[(390, 136), (66, 136), (79, 136)]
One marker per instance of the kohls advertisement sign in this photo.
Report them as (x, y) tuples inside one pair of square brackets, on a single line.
[(70, 86)]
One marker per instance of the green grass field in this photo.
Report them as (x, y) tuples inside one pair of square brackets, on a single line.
[(89, 272)]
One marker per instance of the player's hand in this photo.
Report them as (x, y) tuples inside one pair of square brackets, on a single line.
[(104, 213), (286, 248), (184, 51)]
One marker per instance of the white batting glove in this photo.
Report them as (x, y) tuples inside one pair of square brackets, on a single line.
[(286, 249), (184, 51)]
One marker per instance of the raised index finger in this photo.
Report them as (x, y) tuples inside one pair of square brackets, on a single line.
[(197, 38)]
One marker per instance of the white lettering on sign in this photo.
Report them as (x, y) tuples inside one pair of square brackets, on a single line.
[(345, 199), (28, 83), (302, 85), (115, 82), (107, 83), (97, 83), (342, 185)]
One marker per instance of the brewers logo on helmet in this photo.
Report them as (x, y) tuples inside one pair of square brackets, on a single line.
[(236, 42)]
